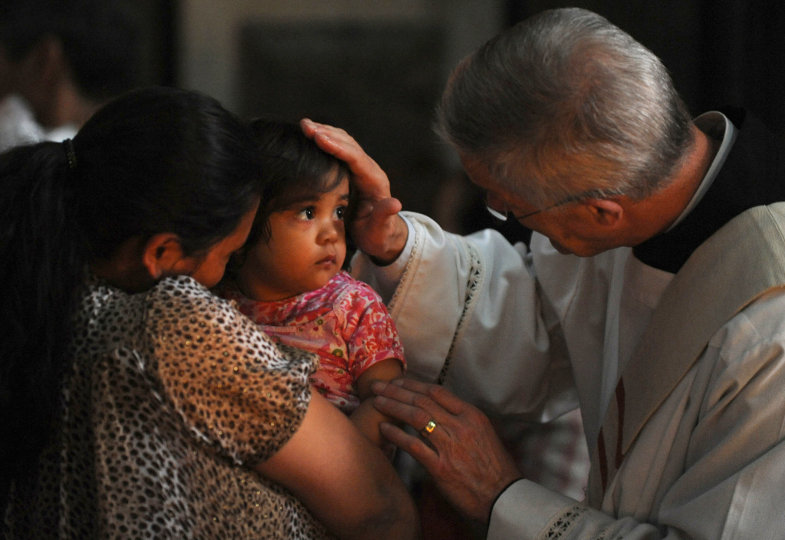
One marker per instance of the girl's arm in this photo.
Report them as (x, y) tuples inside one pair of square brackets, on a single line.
[(344, 480), (366, 417)]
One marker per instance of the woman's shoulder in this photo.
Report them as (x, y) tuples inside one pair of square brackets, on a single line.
[(183, 296), (181, 309), (216, 366), (181, 302), (180, 288)]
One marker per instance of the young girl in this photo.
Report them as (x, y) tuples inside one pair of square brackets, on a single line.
[(135, 403), (288, 277)]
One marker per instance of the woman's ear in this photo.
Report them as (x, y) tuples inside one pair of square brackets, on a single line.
[(605, 212), (162, 254)]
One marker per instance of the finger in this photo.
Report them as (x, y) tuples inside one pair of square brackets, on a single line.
[(334, 140), (400, 390), (378, 212), (369, 179), (385, 208), (398, 408), (412, 445), (437, 393), (415, 410), (363, 210), (342, 145), (433, 426), (330, 145), (310, 128)]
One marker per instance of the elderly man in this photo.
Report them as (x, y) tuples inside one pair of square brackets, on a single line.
[(651, 293)]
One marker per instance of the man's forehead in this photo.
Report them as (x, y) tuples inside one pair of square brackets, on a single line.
[(481, 175), (479, 172)]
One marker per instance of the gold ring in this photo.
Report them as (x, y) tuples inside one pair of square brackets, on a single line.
[(429, 427)]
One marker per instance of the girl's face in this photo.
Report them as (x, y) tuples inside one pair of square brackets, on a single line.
[(307, 247)]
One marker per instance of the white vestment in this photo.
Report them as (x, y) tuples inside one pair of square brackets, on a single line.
[(710, 462)]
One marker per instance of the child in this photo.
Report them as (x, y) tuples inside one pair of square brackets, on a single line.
[(289, 279)]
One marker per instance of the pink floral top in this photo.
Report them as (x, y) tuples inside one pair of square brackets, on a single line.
[(345, 323)]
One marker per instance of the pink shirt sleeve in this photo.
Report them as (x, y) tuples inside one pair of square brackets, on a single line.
[(371, 335)]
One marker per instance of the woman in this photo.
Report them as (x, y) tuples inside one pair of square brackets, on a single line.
[(135, 403)]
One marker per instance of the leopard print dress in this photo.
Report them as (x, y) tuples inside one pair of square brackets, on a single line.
[(172, 397)]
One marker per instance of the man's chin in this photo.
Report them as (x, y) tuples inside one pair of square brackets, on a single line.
[(585, 252), (560, 248)]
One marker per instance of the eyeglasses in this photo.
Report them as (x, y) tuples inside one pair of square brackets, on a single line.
[(506, 214)]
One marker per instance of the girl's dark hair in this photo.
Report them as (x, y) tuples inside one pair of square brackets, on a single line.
[(294, 167), (153, 160)]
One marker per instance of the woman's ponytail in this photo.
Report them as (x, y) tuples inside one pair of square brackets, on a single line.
[(41, 268)]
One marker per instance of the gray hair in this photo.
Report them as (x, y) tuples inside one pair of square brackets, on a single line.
[(566, 103)]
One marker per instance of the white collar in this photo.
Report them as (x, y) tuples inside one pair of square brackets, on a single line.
[(718, 127)]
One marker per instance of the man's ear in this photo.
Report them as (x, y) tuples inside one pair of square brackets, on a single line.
[(605, 212), (162, 255)]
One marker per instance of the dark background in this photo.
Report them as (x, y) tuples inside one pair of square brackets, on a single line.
[(380, 80)]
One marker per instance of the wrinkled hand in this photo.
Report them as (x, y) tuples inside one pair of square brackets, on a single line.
[(376, 227), (463, 453)]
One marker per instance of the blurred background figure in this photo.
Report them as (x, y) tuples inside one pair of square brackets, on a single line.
[(59, 61)]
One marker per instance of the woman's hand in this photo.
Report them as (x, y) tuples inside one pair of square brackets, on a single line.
[(457, 444), (376, 227)]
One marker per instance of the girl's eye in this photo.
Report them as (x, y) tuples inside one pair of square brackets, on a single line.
[(340, 212), (308, 213)]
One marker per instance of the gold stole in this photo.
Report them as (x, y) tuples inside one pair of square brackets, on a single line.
[(739, 263)]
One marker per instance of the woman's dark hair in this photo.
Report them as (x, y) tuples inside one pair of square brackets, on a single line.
[(153, 160), (294, 167)]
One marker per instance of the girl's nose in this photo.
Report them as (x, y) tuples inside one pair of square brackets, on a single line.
[(331, 231)]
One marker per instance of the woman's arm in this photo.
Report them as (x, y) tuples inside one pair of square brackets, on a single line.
[(345, 481)]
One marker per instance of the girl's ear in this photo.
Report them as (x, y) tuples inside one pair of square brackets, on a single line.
[(162, 255)]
